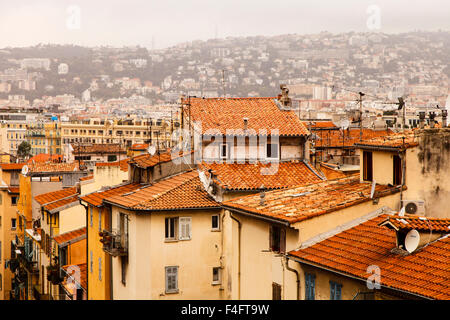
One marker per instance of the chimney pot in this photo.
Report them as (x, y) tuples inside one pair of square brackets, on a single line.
[(245, 123)]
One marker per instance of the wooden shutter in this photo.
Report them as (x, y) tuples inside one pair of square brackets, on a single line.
[(276, 291), (184, 227), (282, 240)]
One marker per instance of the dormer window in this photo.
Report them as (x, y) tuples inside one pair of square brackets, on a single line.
[(223, 151), (272, 151)]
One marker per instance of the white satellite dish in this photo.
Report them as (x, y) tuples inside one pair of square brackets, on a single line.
[(402, 212), (25, 170), (412, 240), (151, 149), (205, 180)]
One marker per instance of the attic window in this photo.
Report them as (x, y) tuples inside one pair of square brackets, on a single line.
[(223, 151), (272, 151)]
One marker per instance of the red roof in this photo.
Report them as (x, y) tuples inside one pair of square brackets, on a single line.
[(337, 139), (220, 115), (146, 160), (43, 157), (425, 272), (181, 191), (123, 164), (139, 147), (96, 198), (57, 199), (305, 202), (11, 166), (402, 140), (409, 222), (70, 236), (248, 176)]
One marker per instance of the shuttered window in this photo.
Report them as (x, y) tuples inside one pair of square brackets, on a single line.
[(277, 239), (99, 219), (276, 291), (185, 224), (171, 279), (92, 262), (100, 269), (335, 291), (91, 215), (367, 166), (310, 286)]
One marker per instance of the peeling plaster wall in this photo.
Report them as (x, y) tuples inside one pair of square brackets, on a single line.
[(428, 170)]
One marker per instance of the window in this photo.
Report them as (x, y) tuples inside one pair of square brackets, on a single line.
[(13, 224), (112, 158), (367, 166), (91, 215), (100, 269), (171, 228), (99, 219), (1, 282), (216, 276), (215, 222), (397, 170), (223, 151), (171, 279), (185, 224), (276, 291), (14, 201), (335, 291), (277, 239), (92, 262), (272, 151), (310, 286)]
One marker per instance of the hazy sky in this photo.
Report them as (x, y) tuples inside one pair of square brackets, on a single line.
[(168, 22)]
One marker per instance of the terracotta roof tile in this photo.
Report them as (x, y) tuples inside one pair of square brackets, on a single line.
[(123, 164), (146, 160), (12, 166), (305, 202), (139, 147), (13, 189), (70, 236), (248, 176), (335, 138), (96, 198), (409, 222), (52, 167), (87, 178), (400, 140), (331, 173), (425, 272), (263, 114), (44, 157), (177, 192), (56, 199), (98, 148)]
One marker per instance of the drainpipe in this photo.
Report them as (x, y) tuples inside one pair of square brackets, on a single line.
[(296, 274), (87, 248), (239, 254)]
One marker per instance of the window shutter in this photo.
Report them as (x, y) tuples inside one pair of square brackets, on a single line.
[(99, 219), (332, 297), (185, 228), (100, 269), (282, 240)]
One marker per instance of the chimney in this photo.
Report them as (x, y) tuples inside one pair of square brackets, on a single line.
[(432, 115), (285, 100), (444, 118), (262, 196), (245, 123), (421, 119)]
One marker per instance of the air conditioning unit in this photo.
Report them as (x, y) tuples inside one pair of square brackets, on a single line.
[(414, 206)]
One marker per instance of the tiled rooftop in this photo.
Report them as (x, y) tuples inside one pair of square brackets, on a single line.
[(11, 166), (139, 147), (331, 173), (177, 192), (97, 197), (44, 157), (90, 177), (123, 164), (53, 167), (397, 141), (262, 114), (409, 222), (425, 272), (305, 202), (146, 160), (98, 148), (56, 199), (247, 176), (335, 138), (70, 236)]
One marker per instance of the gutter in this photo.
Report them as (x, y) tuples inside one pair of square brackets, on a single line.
[(86, 207), (239, 255), (356, 278), (297, 275)]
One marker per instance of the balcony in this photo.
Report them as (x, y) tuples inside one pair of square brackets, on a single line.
[(114, 243)]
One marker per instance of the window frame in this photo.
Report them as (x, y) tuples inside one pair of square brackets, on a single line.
[(277, 239), (13, 225), (169, 272), (333, 290), (310, 286), (184, 221), (218, 222), (367, 165), (219, 276), (221, 156), (277, 150), (169, 229)]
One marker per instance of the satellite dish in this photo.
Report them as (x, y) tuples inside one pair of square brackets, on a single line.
[(402, 212), (151, 149), (25, 170), (372, 190), (412, 240), (345, 124)]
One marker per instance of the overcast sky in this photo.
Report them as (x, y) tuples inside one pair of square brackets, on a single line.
[(168, 22)]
